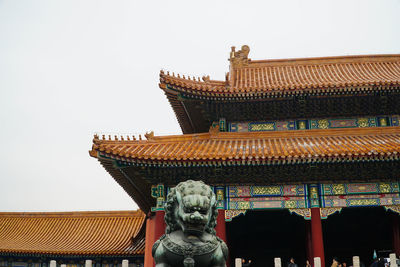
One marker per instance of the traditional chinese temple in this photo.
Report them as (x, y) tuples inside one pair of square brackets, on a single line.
[(303, 155), (33, 239)]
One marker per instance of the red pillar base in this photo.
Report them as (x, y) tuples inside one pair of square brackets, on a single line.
[(316, 235)]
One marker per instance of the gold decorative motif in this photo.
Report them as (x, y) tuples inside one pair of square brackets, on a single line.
[(243, 205), (262, 127), (338, 189), (266, 190), (230, 214), (302, 125), (323, 124), (394, 208), (290, 204), (362, 122), (220, 194), (325, 212), (384, 188), (313, 192), (363, 202), (383, 121), (305, 213), (239, 58)]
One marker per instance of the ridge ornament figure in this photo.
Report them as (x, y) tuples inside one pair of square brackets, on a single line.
[(190, 240)]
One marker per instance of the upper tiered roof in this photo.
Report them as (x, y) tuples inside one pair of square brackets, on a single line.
[(292, 76), (72, 233), (285, 88)]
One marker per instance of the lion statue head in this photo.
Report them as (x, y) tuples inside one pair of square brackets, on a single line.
[(191, 207)]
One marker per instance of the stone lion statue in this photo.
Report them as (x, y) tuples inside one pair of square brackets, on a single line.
[(190, 240)]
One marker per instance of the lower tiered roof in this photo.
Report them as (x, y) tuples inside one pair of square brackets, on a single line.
[(256, 147), (109, 233), (301, 156)]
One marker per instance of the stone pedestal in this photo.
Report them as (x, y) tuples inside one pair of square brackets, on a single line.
[(238, 262), (393, 260), (125, 263), (53, 263), (277, 262), (317, 262), (356, 261)]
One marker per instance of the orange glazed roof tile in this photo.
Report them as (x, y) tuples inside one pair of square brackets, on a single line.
[(71, 233), (293, 76), (381, 143)]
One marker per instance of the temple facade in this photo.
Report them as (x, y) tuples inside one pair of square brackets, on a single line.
[(303, 155)]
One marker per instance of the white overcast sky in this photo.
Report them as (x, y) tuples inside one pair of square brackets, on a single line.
[(69, 69)]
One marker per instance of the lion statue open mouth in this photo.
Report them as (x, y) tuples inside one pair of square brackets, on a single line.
[(190, 240)]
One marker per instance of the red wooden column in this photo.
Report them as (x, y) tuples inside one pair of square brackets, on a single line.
[(316, 235), (220, 229), (156, 225), (396, 234), (221, 225), (316, 225), (148, 258), (309, 248), (159, 224), (155, 228)]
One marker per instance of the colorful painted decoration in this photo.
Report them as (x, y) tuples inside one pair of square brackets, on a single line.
[(359, 188), (261, 191), (230, 214), (157, 192), (298, 199), (304, 124), (325, 212), (305, 213)]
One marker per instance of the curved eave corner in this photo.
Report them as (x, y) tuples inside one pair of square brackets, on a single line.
[(119, 176)]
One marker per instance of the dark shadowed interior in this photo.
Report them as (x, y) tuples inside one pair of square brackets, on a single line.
[(263, 235)]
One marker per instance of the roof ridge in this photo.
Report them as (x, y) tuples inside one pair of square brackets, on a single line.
[(250, 78), (335, 59), (278, 134), (196, 80), (75, 214)]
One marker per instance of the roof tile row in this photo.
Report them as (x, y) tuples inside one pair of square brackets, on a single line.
[(331, 144), (72, 233), (296, 75)]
